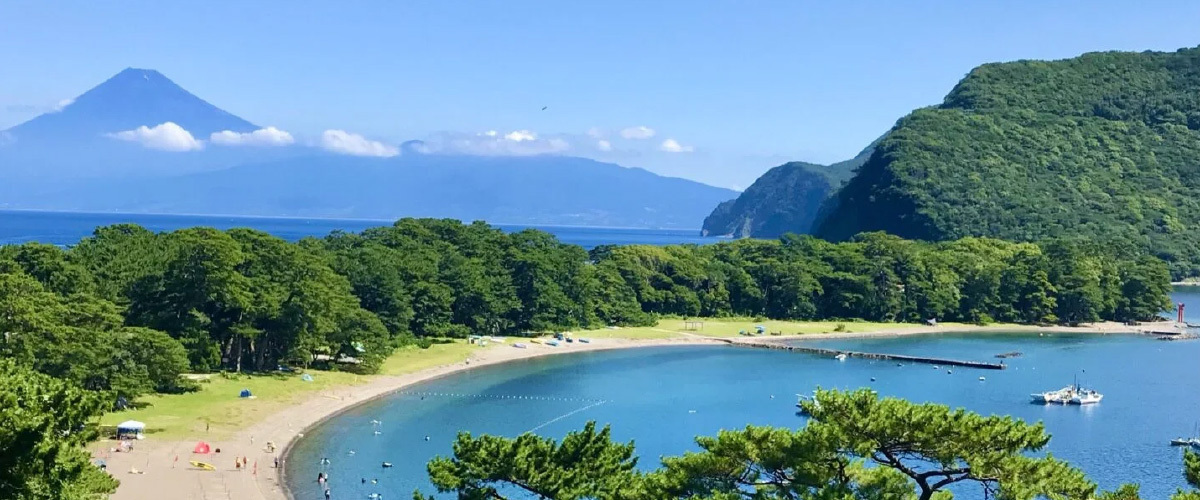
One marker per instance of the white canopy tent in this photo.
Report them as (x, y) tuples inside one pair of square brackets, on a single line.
[(131, 428)]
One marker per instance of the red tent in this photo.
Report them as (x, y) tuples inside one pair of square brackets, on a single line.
[(201, 447)]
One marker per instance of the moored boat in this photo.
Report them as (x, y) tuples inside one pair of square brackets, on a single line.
[(1085, 397), (1061, 396)]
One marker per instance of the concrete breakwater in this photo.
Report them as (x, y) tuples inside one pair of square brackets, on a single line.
[(868, 355)]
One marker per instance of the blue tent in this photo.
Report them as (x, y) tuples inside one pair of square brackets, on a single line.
[(245, 393)]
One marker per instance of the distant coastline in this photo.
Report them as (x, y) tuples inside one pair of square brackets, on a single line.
[(337, 219)]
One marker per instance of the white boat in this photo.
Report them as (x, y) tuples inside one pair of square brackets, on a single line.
[(1085, 397), (801, 398), (519, 345), (1061, 396), (841, 357)]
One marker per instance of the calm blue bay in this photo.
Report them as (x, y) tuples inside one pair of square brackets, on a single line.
[(662, 397), (67, 228)]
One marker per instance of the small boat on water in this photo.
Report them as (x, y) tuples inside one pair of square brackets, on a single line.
[(801, 399), (1061, 396), (1085, 397), (1194, 442), (1073, 394), (841, 357)]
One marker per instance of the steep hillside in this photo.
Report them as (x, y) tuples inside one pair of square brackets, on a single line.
[(1105, 146), (784, 199)]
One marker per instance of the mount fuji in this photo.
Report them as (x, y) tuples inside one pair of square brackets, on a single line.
[(140, 143)]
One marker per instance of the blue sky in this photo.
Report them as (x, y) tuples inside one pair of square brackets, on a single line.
[(739, 86)]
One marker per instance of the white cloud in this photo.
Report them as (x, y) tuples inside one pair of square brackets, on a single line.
[(490, 133), (269, 136), (595, 133), (165, 136), (521, 135), (516, 143), (63, 104), (673, 146), (603, 145), (638, 132), (340, 141)]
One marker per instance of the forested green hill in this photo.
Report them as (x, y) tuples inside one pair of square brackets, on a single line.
[(1105, 146)]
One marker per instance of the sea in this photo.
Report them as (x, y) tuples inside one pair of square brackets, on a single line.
[(67, 228), (660, 398)]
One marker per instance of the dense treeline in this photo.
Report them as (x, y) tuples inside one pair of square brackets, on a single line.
[(1103, 147), (127, 310)]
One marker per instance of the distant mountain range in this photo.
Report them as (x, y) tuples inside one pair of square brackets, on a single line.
[(140, 143)]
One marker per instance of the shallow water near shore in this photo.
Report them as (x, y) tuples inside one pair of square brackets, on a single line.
[(661, 397)]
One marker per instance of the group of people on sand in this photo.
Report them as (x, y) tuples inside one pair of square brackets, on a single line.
[(240, 463)]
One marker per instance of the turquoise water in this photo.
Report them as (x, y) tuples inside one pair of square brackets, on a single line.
[(1152, 394), (67, 228)]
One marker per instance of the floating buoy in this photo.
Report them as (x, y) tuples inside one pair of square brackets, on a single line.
[(427, 438)]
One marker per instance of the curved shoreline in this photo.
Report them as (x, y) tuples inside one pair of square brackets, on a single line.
[(533, 351), (159, 461)]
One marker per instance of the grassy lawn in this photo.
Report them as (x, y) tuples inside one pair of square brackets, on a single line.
[(175, 416), (729, 327)]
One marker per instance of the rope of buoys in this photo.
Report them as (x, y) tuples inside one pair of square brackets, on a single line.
[(500, 396), (565, 415)]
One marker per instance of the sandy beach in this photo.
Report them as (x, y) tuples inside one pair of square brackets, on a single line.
[(165, 470)]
